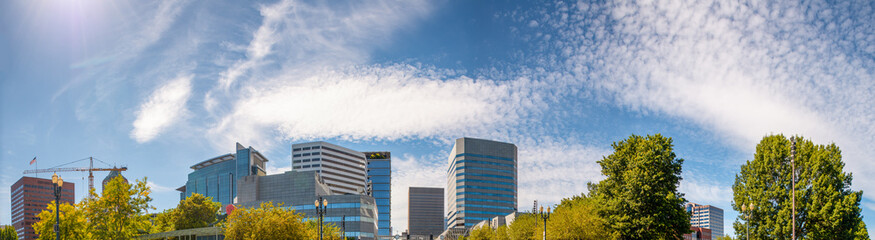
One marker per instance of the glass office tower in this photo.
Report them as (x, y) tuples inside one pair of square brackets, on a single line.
[(380, 178), (481, 181), (217, 177)]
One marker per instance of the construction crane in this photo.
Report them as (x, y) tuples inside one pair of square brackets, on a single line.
[(90, 169)]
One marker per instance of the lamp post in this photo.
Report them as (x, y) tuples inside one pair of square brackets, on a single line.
[(793, 169), (57, 183), (746, 212), (343, 227), (544, 215), (321, 209)]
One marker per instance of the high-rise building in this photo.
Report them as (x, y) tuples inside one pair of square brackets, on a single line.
[(29, 197), (217, 177), (380, 179), (481, 181), (425, 212), (706, 216), (356, 214), (344, 169)]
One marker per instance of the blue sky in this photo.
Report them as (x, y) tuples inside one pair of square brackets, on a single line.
[(159, 86)]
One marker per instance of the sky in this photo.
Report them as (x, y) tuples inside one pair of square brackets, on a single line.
[(158, 86)]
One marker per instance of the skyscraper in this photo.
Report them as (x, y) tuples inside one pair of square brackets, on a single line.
[(344, 169), (217, 177), (425, 212), (30, 196), (481, 181), (380, 178), (706, 216)]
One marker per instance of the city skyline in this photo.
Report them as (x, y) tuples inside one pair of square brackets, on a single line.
[(161, 86)]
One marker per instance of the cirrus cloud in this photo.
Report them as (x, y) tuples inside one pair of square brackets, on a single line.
[(164, 107)]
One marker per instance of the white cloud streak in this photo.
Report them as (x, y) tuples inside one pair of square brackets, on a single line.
[(164, 107)]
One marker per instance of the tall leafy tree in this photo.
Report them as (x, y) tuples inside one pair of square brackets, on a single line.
[(73, 225), (195, 211), (640, 195), (826, 206), (8, 233), (120, 213)]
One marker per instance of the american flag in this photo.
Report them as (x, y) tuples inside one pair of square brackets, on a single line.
[(33, 161)]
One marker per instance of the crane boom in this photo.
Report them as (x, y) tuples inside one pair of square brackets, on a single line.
[(89, 169)]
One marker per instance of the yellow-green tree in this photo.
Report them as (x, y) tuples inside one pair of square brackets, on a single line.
[(576, 218), (162, 222), (73, 222), (120, 213), (195, 211), (526, 226), (270, 221), (8, 233)]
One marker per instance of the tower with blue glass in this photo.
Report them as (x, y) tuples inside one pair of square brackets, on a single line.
[(380, 180), (217, 177), (481, 181)]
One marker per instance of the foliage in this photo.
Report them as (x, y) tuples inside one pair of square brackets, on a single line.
[(639, 196), (121, 212), (724, 238), (526, 226), (195, 211), (826, 207), (273, 222), (8, 233), (163, 222), (73, 222), (576, 218)]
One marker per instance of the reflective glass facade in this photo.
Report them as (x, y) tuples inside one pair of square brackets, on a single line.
[(481, 181), (706, 216), (380, 177), (217, 177)]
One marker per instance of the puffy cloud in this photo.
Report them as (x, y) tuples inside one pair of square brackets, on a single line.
[(164, 107)]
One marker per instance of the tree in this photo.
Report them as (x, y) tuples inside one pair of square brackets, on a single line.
[(8, 233), (826, 207), (121, 212), (163, 221), (73, 222), (576, 218), (195, 211), (273, 222), (724, 238), (639, 196), (526, 226)]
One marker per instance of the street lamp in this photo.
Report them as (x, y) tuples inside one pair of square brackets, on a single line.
[(321, 209), (747, 218), (545, 216), (57, 184), (343, 227)]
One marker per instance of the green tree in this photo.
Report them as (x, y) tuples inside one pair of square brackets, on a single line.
[(576, 218), (73, 222), (195, 211), (639, 196), (8, 233), (724, 238), (121, 212), (826, 207), (273, 222), (526, 226), (163, 221)]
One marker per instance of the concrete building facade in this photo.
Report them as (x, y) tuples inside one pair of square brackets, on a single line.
[(343, 169), (380, 180), (299, 190), (706, 216), (481, 181), (425, 211), (29, 196), (217, 177)]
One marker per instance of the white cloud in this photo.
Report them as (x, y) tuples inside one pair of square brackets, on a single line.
[(383, 103), (164, 107), (158, 188), (550, 171)]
